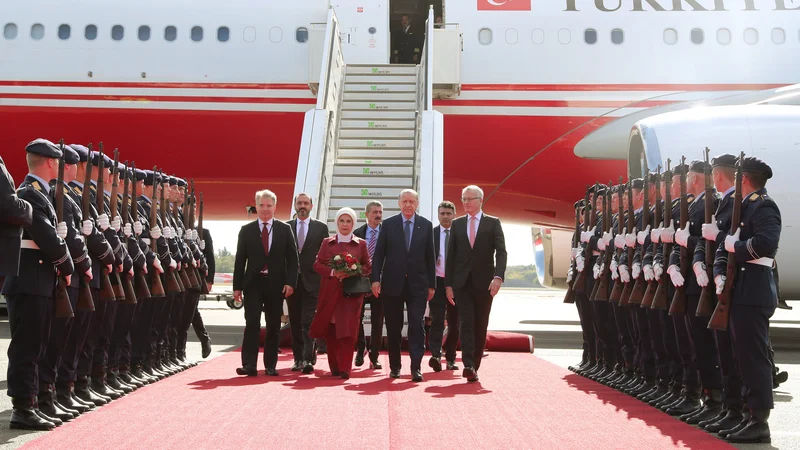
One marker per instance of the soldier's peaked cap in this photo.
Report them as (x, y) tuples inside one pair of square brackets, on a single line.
[(83, 152), (107, 162), (151, 178), (680, 169), (698, 166), (140, 174), (71, 156), (43, 147), (724, 160), (637, 183), (751, 164)]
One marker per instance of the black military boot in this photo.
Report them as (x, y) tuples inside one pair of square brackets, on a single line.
[(756, 430), (64, 393), (690, 402), (86, 395), (47, 407), (99, 386), (24, 417), (712, 407), (115, 383), (723, 433), (779, 377), (58, 422), (59, 407), (206, 346), (672, 398), (125, 375)]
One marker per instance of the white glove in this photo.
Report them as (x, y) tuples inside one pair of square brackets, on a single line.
[(179, 231), (630, 239), (167, 232), (730, 240), (601, 244), (658, 270), (194, 263), (655, 235), (137, 228), (102, 222), (585, 235), (710, 230), (719, 280), (579, 263), (648, 272), (172, 263), (116, 223), (607, 237), (637, 270), (619, 241), (682, 236), (642, 235), (157, 265), (569, 276), (675, 276), (89, 274), (155, 232), (127, 230), (613, 267), (61, 230), (624, 276), (572, 253), (87, 227), (202, 244), (667, 236), (195, 236), (700, 273), (596, 271)]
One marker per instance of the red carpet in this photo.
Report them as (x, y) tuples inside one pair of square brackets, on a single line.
[(521, 402)]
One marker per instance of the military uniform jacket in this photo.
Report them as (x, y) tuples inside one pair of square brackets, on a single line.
[(674, 214), (653, 248), (162, 248), (14, 214), (589, 249), (132, 243), (109, 233), (99, 249), (37, 275), (759, 237), (623, 260), (75, 244), (406, 45)]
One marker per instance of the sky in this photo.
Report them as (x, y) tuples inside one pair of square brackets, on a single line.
[(518, 239)]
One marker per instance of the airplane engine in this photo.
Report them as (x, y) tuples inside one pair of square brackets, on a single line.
[(551, 248)]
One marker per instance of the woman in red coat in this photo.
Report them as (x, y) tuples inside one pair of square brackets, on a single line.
[(338, 316)]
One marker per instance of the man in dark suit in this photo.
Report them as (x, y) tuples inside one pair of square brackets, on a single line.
[(369, 232), (15, 213), (266, 270), (404, 272), (207, 246), (308, 234), (476, 266), (439, 305)]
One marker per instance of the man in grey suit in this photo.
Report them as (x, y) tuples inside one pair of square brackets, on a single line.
[(309, 234)]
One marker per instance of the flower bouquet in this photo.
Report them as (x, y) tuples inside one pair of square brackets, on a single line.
[(354, 285)]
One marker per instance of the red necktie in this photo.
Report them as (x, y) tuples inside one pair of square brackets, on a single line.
[(265, 242)]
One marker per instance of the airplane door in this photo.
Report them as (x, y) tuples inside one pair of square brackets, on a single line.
[(365, 30)]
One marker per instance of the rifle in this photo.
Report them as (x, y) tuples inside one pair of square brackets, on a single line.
[(107, 293), (119, 292), (601, 293), (188, 274), (719, 320), (616, 293), (173, 285), (569, 297), (660, 299), (203, 284), (62, 303), (639, 287), (127, 278), (85, 300), (705, 306), (140, 282), (156, 287), (652, 285), (678, 305), (625, 298), (589, 216), (189, 222)]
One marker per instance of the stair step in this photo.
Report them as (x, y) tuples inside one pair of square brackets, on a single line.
[(378, 114), (374, 154), (373, 170), (376, 143), (373, 181), (359, 204), (380, 87), (381, 194), (378, 79), (380, 96), (382, 69), (404, 162), (375, 133), (378, 124), (362, 215), (378, 105)]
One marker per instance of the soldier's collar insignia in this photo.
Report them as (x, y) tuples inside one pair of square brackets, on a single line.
[(36, 185)]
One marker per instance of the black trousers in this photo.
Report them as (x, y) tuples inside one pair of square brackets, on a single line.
[(586, 316), (101, 350), (29, 317), (474, 305), (159, 341), (441, 308), (647, 359), (376, 327), (199, 327), (140, 330), (705, 346), (686, 352), (175, 322), (60, 330), (657, 346), (68, 369), (302, 305), (731, 376), (269, 300), (415, 306), (749, 326), (190, 303), (606, 332), (120, 337), (624, 337), (87, 355)]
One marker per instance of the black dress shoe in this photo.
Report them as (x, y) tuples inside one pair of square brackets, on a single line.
[(359, 359), (297, 366), (743, 423), (451, 365), (206, 345), (308, 368), (756, 430), (271, 372), (25, 418), (98, 385), (395, 373), (685, 406), (130, 380), (115, 383), (435, 364), (730, 419), (470, 374), (779, 378), (710, 410), (249, 371), (416, 375), (56, 421), (64, 397), (375, 364), (88, 396)]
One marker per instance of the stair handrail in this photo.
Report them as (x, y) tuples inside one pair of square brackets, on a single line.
[(424, 92)]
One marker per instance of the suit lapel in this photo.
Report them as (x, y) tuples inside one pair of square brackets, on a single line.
[(437, 232), (293, 225)]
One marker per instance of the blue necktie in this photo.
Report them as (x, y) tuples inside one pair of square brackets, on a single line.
[(408, 234)]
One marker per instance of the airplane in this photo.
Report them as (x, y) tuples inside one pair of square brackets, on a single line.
[(217, 92)]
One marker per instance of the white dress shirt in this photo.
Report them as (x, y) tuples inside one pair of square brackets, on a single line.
[(269, 229), (440, 260)]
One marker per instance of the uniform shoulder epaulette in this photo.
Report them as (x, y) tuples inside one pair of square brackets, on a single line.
[(77, 190), (690, 199), (36, 185), (754, 196)]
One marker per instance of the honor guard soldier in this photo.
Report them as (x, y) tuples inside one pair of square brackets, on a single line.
[(754, 298), (407, 45), (44, 257), (17, 213)]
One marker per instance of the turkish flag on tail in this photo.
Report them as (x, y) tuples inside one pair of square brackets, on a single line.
[(504, 5)]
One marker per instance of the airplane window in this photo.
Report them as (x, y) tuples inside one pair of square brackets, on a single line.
[(511, 36), (590, 36), (617, 36), (778, 36), (197, 34), (301, 34), (37, 31), (117, 32), (697, 36), (10, 31), (90, 32), (223, 34), (485, 36), (724, 36), (751, 36), (249, 34), (63, 32), (275, 34), (670, 36), (144, 33), (564, 36), (537, 35), (170, 33)]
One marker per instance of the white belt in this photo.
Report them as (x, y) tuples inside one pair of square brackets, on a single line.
[(146, 241), (766, 262), (595, 253), (29, 244)]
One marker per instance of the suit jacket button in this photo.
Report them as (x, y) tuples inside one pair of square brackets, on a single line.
[(742, 269), (40, 262)]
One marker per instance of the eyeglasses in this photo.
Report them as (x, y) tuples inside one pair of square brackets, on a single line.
[(469, 199)]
